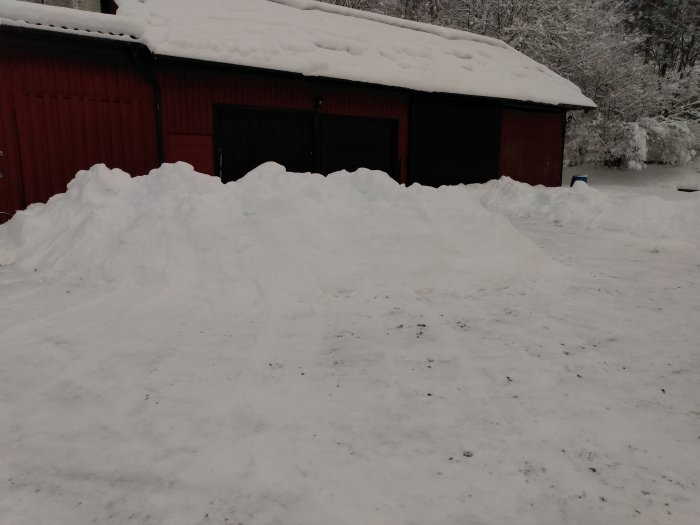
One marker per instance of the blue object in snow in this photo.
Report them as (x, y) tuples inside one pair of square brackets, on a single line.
[(576, 178)]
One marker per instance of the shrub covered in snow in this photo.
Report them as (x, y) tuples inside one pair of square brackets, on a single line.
[(611, 143), (669, 141), (630, 145), (626, 145)]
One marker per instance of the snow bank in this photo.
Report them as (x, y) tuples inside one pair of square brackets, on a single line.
[(622, 211), (272, 232), (278, 233)]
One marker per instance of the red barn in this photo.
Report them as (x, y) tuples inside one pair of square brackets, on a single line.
[(228, 85)]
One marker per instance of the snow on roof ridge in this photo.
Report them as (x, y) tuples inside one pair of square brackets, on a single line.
[(440, 31), (67, 19)]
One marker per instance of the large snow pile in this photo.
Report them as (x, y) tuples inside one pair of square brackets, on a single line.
[(299, 234), (303, 234)]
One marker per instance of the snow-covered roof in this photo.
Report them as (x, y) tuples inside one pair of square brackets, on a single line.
[(322, 40), (64, 20)]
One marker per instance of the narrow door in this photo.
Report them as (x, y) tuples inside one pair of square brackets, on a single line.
[(532, 146)]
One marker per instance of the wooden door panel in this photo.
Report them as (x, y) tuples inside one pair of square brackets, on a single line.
[(532, 146)]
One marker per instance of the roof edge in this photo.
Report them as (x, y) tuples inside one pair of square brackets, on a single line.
[(212, 64), (64, 19), (447, 33)]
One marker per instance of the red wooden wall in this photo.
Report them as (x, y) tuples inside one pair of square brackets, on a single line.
[(189, 95), (62, 111), (532, 146), (11, 192)]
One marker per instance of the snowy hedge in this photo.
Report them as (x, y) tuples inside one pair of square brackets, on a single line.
[(669, 141), (631, 145)]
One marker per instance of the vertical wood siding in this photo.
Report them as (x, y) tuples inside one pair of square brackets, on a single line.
[(532, 146), (190, 94), (11, 192), (62, 113)]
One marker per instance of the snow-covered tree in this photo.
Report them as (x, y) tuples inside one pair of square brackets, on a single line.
[(670, 31)]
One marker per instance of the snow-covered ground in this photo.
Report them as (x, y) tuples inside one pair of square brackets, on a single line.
[(654, 179), (293, 349)]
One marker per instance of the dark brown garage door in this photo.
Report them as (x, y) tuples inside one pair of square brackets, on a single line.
[(245, 138), (349, 143), (453, 141), (302, 141)]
